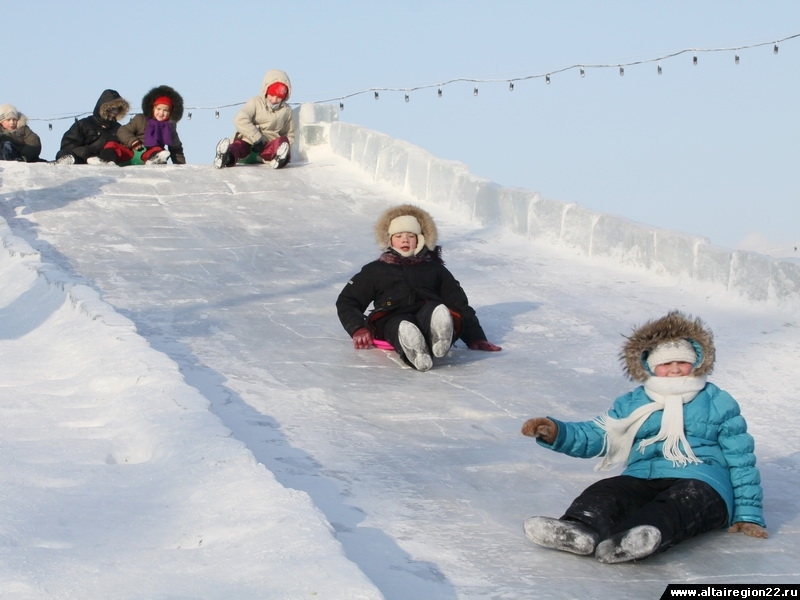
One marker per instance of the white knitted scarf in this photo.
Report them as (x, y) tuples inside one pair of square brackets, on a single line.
[(668, 394)]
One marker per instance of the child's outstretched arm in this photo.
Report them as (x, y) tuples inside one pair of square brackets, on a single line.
[(541, 427), (751, 529)]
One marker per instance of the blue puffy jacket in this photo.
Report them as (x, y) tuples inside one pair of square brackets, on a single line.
[(716, 431)]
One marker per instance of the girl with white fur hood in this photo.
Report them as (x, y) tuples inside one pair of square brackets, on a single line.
[(418, 306), (689, 462)]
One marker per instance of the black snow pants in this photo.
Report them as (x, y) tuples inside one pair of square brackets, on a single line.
[(419, 316), (679, 508)]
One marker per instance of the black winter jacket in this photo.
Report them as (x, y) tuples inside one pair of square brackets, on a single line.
[(88, 136), (405, 287)]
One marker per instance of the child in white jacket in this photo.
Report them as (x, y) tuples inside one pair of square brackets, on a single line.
[(264, 127)]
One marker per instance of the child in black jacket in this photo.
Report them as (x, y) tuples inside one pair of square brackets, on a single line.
[(418, 306)]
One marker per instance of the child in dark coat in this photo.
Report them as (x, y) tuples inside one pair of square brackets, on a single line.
[(93, 139), (418, 306), (153, 135), (689, 462), (17, 140)]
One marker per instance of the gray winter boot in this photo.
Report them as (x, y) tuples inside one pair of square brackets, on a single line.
[(441, 330), (414, 347), (568, 536), (637, 542)]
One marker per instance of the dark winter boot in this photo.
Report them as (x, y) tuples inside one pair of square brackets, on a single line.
[(637, 542), (281, 156), (222, 158), (567, 536)]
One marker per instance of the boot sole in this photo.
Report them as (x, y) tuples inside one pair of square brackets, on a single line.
[(638, 542), (413, 344), (441, 331), (566, 536), (222, 151)]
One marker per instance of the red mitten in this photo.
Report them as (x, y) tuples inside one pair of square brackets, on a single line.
[(362, 338), (541, 427)]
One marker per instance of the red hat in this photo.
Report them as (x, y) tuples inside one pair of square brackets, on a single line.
[(162, 100), (278, 89)]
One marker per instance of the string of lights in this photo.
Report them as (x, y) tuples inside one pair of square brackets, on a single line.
[(510, 82)]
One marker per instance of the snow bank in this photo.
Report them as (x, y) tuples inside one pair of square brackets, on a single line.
[(118, 481), (526, 213)]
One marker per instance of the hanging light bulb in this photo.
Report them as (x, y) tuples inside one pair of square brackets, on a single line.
[(475, 92), (50, 126), (438, 93), (407, 98), (216, 114), (547, 79), (736, 59), (694, 60), (341, 105), (775, 49), (377, 96), (582, 72), (659, 69), (621, 71), (510, 86), (189, 116)]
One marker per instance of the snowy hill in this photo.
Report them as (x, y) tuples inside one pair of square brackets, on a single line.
[(185, 418)]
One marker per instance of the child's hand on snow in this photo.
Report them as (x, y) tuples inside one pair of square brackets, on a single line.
[(751, 529), (541, 427), (484, 345), (362, 338)]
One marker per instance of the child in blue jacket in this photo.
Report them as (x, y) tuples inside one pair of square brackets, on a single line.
[(690, 463)]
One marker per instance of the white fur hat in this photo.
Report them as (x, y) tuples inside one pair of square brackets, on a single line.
[(672, 351), (7, 111), (405, 223), (408, 223), (406, 217)]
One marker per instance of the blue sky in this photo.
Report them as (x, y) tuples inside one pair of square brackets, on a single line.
[(709, 149)]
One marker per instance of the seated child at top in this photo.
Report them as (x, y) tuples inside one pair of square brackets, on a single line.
[(17, 140), (93, 139), (264, 126), (153, 135)]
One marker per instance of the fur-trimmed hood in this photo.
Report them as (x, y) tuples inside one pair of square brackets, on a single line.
[(163, 90), (429, 231), (276, 76), (674, 326), (107, 101), (9, 111)]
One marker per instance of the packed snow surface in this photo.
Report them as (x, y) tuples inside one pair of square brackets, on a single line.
[(183, 417)]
